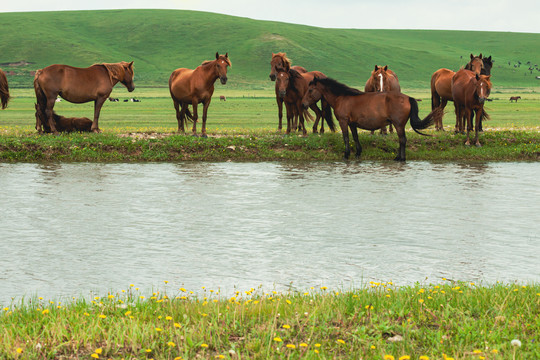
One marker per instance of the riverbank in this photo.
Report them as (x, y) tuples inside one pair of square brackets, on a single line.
[(448, 320), (265, 145)]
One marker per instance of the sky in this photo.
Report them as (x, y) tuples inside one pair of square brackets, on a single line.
[(484, 15)]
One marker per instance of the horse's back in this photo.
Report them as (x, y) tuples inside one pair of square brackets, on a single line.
[(393, 81), (300, 69), (310, 75), (441, 83)]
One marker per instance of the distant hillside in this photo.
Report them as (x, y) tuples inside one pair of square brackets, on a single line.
[(160, 41)]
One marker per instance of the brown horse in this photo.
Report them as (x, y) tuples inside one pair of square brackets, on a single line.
[(441, 85), (514, 98), (64, 124), (4, 89), (291, 87), (369, 111), (470, 91), (191, 87), (79, 85), (280, 62), (382, 79)]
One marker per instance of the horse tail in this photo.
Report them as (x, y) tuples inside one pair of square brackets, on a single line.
[(307, 115), (4, 90), (418, 124), (40, 94), (327, 113), (435, 98)]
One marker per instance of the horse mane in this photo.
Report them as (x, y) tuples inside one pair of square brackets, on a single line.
[(295, 77), (337, 88), (221, 57), (115, 70), (286, 61)]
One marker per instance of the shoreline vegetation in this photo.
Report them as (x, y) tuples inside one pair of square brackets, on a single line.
[(259, 145), (446, 320)]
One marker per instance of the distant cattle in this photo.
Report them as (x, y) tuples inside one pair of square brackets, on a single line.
[(114, 99), (515, 98), (222, 98)]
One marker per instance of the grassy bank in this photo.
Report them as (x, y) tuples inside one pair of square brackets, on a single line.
[(501, 145), (380, 321)]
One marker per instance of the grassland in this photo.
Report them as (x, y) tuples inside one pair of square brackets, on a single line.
[(160, 41), (447, 320)]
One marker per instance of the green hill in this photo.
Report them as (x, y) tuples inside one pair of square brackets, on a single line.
[(160, 41)]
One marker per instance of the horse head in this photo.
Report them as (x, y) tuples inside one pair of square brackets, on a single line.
[(476, 64), (313, 93), (127, 81), (487, 65), (282, 82), (483, 87), (222, 62), (380, 78), (278, 63)]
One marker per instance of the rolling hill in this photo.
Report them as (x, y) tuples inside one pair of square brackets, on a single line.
[(160, 41)]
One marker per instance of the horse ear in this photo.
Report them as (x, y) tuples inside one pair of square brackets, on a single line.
[(385, 67), (217, 55), (130, 64), (472, 56), (376, 67), (480, 56), (227, 55)]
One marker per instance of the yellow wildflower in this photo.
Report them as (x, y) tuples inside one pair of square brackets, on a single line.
[(388, 357), (19, 351), (286, 326), (276, 339), (291, 346), (204, 345), (170, 343), (99, 350)]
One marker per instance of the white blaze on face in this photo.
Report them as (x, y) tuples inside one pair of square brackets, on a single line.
[(381, 83)]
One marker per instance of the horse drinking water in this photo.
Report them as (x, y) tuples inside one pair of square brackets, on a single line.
[(79, 85), (191, 87), (369, 111)]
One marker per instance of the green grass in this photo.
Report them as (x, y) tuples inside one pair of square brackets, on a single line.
[(377, 321), (160, 41)]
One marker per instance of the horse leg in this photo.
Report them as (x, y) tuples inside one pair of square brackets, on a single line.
[(345, 132), (383, 130), (289, 118), (49, 115), (458, 115), (315, 108), (354, 132), (97, 109), (204, 115), (179, 117), (438, 124), (478, 123), (280, 112), (468, 116), (194, 103), (390, 128), (400, 131)]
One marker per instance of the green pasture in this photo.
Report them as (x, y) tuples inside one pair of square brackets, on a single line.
[(244, 110)]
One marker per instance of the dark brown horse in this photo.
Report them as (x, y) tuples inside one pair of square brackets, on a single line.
[(79, 85), (291, 87), (191, 87), (470, 91), (4, 89), (441, 85), (280, 62), (382, 79), (64, 124), (514, 98), (369, 111)]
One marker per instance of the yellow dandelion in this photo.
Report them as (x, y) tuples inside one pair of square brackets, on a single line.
[(405, 357), (373, 347), (98, 350), (477, 351), (127, 313), (324, 288), (102, 316), (148, 350), (45, 312), (303, 345), (291, 346), (111, 296), (95, 356), (168, 318), (19, 351), (286, 326), (420, 301), (158, 329), (317, 345), (276, 339), (423, 357), (86, 314), (204, 345), (170, 343), (177, 325), (340, 341), (494, 351), (388, 357)]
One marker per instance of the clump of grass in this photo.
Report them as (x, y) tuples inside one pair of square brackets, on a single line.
[(379, 321)]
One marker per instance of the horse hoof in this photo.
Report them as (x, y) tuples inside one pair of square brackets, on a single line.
[(204, 136), (478, 145)]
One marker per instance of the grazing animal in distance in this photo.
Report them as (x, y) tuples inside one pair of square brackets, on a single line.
[(382, 79), (515, 98), (80, 85), (369, 111), (222, 98), (4, 90), (194, 86)]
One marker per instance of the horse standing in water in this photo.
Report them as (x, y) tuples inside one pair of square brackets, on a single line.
[(470, 91), (291, 87), (382, 79), (4, 90), (79, 85), (369, 111), (441, 85), (191, 87), (280, 62)]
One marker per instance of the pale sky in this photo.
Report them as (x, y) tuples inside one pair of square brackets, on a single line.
[(488, 15)]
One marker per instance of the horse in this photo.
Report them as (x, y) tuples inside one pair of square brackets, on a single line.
[(63, 124), (470, 91), (369, 111), (222, 98), (382, 79), (4, 90), (80, 85), (441, 85), (196, 86), (515, 98), (291, 87), (280, 62)]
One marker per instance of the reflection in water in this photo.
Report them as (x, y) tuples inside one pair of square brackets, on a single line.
[(68, 229)]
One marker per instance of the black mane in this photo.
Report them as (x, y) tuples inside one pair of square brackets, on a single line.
[(294, 77), (337, 88)]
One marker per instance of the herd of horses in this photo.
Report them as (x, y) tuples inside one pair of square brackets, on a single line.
[(381, 104)]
